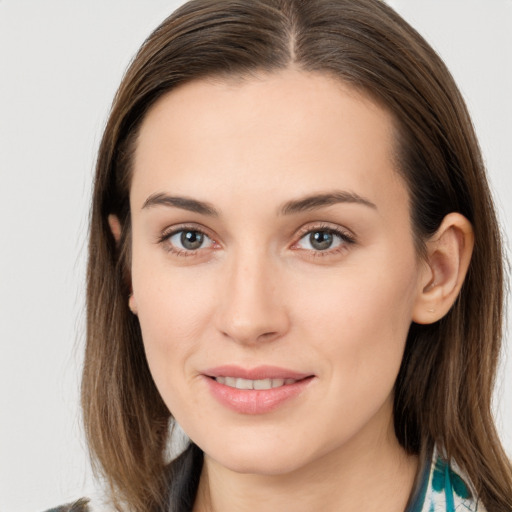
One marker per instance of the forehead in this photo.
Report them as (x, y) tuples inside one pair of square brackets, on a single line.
[(306, 130)]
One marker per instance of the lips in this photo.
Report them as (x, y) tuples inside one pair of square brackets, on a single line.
[(255, 391), (258, 373)]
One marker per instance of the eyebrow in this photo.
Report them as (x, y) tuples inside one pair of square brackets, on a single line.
[(185, 203), (317, 201)]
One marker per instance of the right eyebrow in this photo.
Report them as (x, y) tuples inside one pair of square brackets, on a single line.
[(185, 203)]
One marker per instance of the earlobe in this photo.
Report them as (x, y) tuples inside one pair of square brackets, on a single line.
[(132, 304), (448, 257), (115, 227)]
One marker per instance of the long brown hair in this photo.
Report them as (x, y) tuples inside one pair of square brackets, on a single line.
[(444, 387)]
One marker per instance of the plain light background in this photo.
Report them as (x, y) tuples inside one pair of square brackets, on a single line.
[(60, 64)]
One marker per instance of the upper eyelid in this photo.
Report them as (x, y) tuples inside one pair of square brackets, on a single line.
[(172, 230), (325, 226)]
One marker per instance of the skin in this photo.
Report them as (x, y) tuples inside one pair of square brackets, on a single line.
[(257, 292)]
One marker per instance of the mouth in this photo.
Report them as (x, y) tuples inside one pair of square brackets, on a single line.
[(256, 391), (239, 383)]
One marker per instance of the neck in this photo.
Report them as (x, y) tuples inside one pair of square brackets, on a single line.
[(372, 474)]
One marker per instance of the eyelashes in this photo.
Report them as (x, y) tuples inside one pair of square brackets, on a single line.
[(315, 240), (324, 240)]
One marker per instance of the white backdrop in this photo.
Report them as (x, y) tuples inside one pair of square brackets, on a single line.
[(60, 63)]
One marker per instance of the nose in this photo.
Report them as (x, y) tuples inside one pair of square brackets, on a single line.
[(251, 309)]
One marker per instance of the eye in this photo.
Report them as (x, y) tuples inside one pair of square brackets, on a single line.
[(323, 239), (189, 240)]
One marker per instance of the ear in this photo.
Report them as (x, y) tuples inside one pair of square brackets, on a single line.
[(115, 227), (448, 255)]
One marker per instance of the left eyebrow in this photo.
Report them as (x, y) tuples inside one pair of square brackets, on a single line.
[(322, 200), (184, 203)]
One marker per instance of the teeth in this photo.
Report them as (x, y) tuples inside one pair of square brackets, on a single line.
[(262, 384), (244, 384), (233, 382), (277, 383), (230, 381)]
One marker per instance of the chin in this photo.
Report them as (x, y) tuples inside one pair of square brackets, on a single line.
[(277, 457), (258, 465)]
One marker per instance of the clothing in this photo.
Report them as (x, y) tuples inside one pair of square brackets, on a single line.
[(441, 488), (78, 506)]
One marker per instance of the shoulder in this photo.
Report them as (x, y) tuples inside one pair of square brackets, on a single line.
[(81, 505)]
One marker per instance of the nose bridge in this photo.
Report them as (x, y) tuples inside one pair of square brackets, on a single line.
[(251, 308)]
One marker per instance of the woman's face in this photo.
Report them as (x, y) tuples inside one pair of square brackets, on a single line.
[(273, 249)]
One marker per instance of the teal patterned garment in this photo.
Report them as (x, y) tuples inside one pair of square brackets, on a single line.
[(443, 489)]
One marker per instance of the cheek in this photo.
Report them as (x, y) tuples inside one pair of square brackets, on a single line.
[(360, 327), (174, 309), (171, 301), (360, 317)]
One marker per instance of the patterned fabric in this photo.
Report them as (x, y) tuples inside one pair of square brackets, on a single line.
[(442, 489)]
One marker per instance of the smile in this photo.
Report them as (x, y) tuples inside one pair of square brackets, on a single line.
[(259, 390), (239, 383)]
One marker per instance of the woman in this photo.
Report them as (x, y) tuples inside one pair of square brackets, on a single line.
[(293, 255)]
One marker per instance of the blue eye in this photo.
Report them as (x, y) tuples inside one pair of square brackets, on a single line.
[(322, 240), (189, 240)]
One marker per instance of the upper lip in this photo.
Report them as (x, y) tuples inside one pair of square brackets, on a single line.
[(257, 373)]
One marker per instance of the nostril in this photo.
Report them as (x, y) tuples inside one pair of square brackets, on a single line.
[(267, 335)]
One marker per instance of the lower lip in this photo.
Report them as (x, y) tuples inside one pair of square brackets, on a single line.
[(255, 401)]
